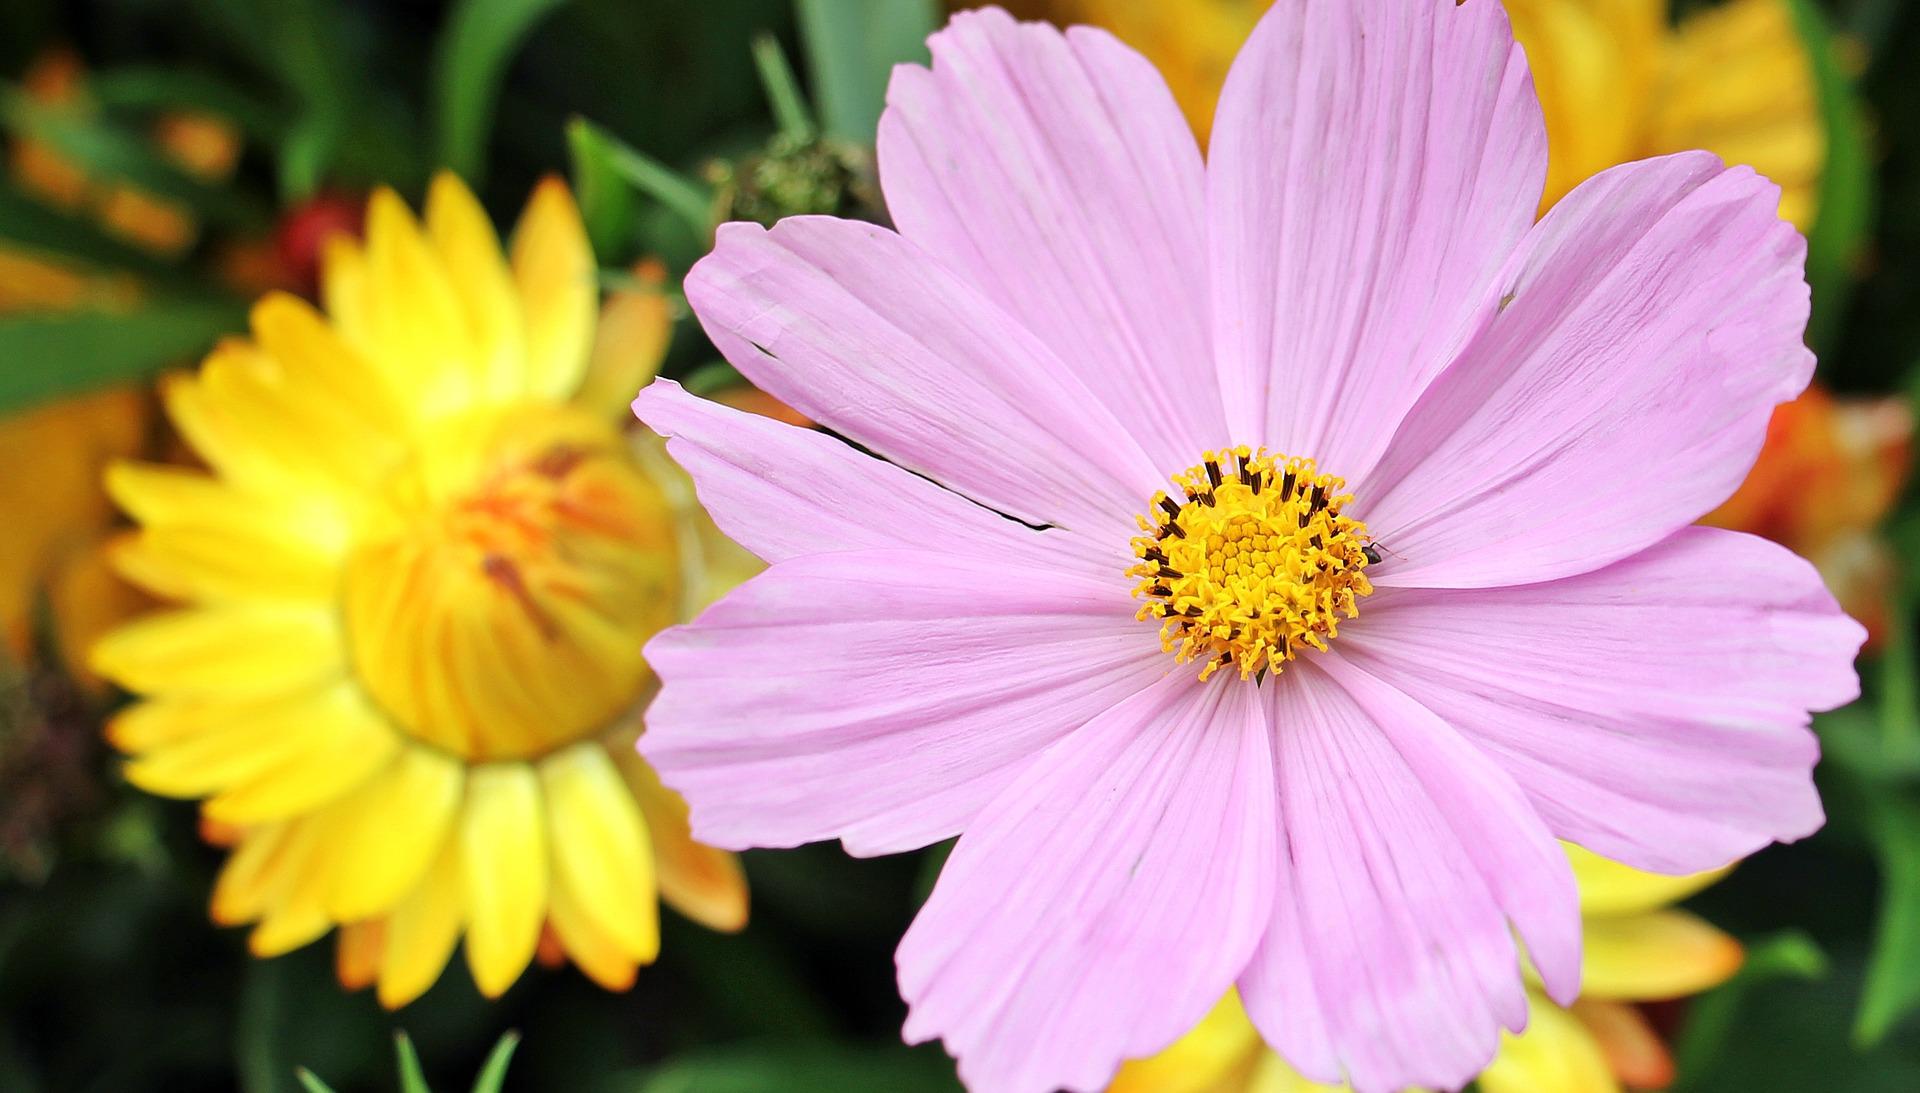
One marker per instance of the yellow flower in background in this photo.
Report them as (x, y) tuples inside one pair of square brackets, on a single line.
[(1639, 948), (1616, 81), (406, 672)]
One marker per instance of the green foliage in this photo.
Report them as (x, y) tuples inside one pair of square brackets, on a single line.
[(470, 63), (1845, 215), (413, 1077), (852, 46), (808, 1069), (62, 353)]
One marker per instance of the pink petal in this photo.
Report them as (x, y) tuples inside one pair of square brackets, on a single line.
[(1389, 960), (1056, 174), (1100, 906), (782, 491), (1374, 162), (1654, 711), (1654, 319), (883, 697), (867, 334)]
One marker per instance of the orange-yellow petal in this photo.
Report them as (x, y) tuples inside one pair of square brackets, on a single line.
[(357, 953), (1657, 955), (343, 742), (629, 342), (597, 953), (599, 846), (421, 932), (1633, 1049), (477, 270), (235, 649), (503, 869), (388, 833), (1554, 1055), (554, 269), (702, 883)]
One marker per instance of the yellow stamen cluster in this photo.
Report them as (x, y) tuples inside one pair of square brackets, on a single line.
[(1249, 561)]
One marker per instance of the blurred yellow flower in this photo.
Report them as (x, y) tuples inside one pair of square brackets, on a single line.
[(1616, 81), (415, 587), (1638, 949)]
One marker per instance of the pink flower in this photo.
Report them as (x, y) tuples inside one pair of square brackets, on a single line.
[(1312, 736)]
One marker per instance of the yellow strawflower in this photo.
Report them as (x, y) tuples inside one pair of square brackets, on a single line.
[(1617, 82), (1639, 948), (415, 581)]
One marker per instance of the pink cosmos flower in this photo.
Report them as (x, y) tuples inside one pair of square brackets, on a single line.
[(1421, 598)]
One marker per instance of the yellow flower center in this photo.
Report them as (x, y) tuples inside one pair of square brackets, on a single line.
[(497, 605), (1250, 561)]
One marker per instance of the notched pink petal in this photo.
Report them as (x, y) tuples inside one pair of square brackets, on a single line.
[(869, 335), (1055, 173), (1651, 323), (1389, 960), (1655, 711), (882, 697), (782, 491), (1374, 163), (1100, 906)]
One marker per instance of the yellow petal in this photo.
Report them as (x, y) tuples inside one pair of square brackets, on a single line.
[(553, 267), (1633, 1050), (1609, 888), (234, 743), (1554, 1055), (1223, 1046), (1739, 83), (596, 952), (389, 831), (344, 291), (1657, 955), (415, 327), (503, 855), (358, 745), (239, 649), (214, 566), (241, 892), (465, 239), (421, 932), (263, 431), (321, 360), (702, 883), (629, 342), (600, 848), (158, 495)]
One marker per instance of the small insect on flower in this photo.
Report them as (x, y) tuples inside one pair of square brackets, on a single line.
[(1110, 605)]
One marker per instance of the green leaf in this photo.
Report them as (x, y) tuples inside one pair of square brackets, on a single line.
[(48, 355), (711, 377), (1846, 211), (412, 1078), (606, 200), (105, 151), (1714, 1016), (260, 1035), (311, 1082), (470, 63), (1893, 967), (691, 201), (790, 110), (851, 47), (805, 1069), (494, 1073)]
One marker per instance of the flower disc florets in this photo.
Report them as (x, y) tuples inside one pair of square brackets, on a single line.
[(1249, 561)]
